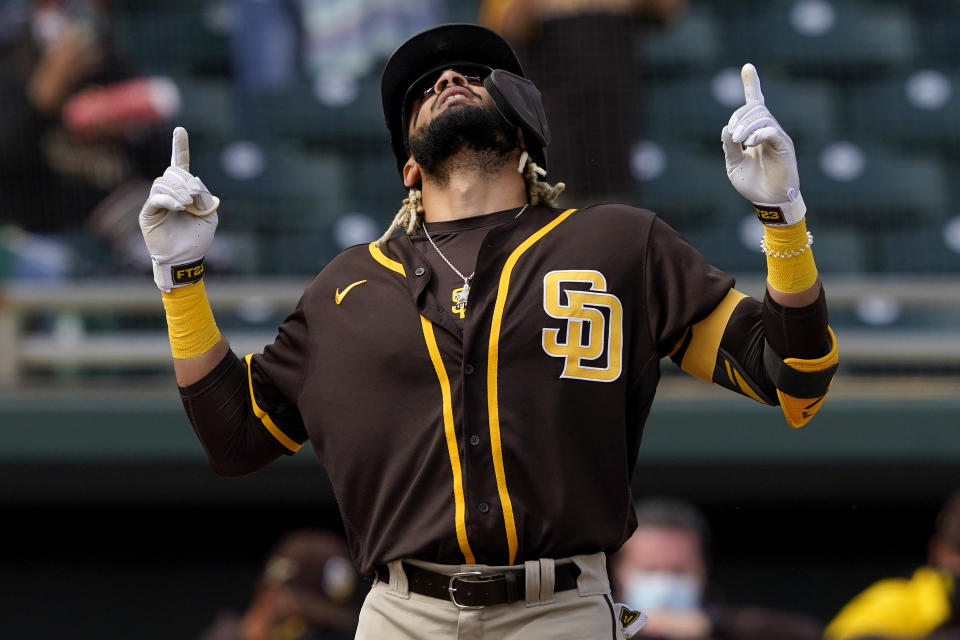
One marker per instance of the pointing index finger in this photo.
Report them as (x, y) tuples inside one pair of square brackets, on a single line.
[(751, 84), (180, 156)]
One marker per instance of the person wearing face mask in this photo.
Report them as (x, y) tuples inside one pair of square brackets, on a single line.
[(663, 571)]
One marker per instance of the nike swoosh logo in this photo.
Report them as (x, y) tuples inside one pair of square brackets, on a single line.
[(338, 297)]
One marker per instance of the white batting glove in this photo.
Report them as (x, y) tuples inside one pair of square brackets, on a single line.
[(761, 161), (178, 220)]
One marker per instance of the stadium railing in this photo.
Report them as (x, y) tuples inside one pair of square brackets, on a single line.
[(885, 345)]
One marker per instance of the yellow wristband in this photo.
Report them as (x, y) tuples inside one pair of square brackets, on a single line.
[(790, 265), (190, 322)]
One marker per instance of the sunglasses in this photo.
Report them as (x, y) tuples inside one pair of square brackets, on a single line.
[(425, 85)]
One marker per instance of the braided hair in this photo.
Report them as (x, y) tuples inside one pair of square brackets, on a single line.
[(410, 215)]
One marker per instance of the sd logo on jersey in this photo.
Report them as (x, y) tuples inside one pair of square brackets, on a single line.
[(590, 333)]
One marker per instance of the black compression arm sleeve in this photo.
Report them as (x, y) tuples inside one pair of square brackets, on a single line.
[(796, 332), (218, 407)]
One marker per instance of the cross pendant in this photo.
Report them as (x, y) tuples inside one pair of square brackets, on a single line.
[(461, 295)]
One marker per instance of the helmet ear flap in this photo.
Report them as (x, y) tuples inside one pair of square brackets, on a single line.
[(519, 102)]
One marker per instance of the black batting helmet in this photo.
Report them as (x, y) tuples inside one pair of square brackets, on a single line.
[(451, 45)]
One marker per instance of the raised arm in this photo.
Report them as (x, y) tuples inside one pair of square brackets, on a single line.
[(178, 222), (762, 166), (779, 351), (230, 414)]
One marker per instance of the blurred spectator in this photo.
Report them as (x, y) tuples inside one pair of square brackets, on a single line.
[(663, 571), (332, 44), (74, 130), (925, 605), (264, 43), (308, 591), (582, 55)]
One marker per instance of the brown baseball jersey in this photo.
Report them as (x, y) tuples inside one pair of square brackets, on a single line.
[(512, 436), (452, 256)]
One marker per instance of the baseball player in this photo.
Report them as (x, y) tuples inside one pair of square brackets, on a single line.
[(476, 385)]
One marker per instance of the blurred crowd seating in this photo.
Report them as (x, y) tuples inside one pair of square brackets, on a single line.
[(866, 88)]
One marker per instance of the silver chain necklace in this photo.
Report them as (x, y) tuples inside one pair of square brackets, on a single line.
[(460, 297)]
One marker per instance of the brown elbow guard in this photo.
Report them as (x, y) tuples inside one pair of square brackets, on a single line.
[(800, 356)]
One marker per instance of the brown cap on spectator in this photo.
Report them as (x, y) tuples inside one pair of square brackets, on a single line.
[(316, 567)]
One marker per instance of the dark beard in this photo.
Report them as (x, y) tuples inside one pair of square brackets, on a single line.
[(463, 138)]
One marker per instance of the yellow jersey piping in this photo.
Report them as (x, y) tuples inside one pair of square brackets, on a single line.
[(492, 392), (265, 418), (459, 501), (380, 257)]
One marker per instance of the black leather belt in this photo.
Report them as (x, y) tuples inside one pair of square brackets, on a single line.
[(474, 589)]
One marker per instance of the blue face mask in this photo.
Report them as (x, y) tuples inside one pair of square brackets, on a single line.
[(646, 591)]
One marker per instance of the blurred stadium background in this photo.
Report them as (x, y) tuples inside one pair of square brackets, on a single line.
[(113, 522)]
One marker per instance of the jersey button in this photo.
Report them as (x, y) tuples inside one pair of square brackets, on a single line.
[(474, 440), (468, 369), (420, 271), (483, 507)]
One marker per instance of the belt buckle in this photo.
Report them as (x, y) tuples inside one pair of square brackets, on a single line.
[(452, 590)]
